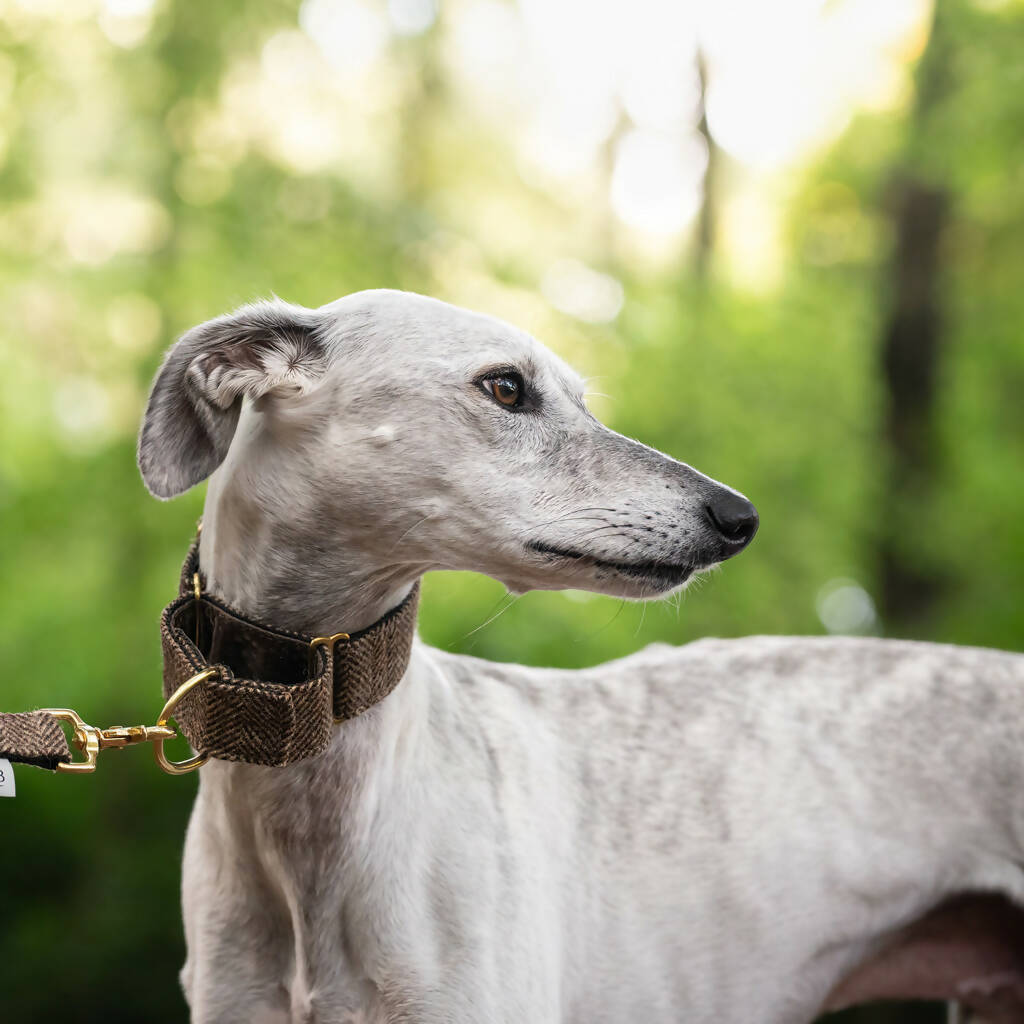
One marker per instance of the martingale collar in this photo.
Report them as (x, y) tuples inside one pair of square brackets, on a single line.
[(240, 690), (272, 696)]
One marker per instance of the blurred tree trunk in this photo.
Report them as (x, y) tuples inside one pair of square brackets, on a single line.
[(608, 243), (704, 242), (910, 356), (426, 96)]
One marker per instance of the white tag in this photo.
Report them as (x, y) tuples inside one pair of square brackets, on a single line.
[(6, 778)]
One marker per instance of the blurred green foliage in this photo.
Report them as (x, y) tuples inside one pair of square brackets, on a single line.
[(774, 390)]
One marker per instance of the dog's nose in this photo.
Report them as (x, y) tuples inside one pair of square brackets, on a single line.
[(733, 517)]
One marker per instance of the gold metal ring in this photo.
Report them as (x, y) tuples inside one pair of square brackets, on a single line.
[(327, 641), (323, 641), (196, 761)]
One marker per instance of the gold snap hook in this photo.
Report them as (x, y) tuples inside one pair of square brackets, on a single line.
[(90, 740)]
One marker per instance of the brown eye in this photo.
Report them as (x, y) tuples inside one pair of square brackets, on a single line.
[(506, 389)]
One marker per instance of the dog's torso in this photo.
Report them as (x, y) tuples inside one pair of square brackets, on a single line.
[(712, 833)]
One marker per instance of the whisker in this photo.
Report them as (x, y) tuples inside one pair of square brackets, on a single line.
[(606, 526), (590, 636), (643, 615), (620, 532), (575, 519), (496, 615), (584, 508), (414, 526), (568, 517)]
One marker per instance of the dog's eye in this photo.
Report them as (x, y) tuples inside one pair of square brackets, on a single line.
[(506, 389)]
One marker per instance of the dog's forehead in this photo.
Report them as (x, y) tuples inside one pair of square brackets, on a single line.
[(418, 326)]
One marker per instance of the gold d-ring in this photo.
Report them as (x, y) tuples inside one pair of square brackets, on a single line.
[(192, 763), (323, 641)]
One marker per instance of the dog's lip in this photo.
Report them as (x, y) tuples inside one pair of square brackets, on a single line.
[(662, 571)]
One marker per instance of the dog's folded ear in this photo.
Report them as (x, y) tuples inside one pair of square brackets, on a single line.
[(197, 395)]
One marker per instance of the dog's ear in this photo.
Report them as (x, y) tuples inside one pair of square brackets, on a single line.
[(197, 395)]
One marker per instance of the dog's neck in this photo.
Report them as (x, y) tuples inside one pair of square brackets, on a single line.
[(310, 580), (270, 570)]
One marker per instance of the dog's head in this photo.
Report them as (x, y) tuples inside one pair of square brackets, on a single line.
[(427, 436)]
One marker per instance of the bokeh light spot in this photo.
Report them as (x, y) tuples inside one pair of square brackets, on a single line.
[(412, 17), (656, 184), (845, 607), (587, 294)]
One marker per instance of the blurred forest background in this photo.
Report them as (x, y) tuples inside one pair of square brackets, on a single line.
[(783, 239)]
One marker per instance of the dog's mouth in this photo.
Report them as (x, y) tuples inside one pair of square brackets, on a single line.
[(664, 575)]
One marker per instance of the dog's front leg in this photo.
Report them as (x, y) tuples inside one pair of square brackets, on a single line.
[(236, 938)]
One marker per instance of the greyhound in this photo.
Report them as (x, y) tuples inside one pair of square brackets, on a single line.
[(730, 831)]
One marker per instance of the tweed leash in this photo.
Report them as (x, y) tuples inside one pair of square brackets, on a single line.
[(239, 689)]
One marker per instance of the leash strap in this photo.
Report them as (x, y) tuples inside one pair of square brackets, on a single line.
[(34, 737), (273, 695)]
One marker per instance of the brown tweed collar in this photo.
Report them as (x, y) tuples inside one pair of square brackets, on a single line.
[(274, 694), (240, 690)]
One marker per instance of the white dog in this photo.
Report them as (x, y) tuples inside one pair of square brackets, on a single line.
[(729, 832)]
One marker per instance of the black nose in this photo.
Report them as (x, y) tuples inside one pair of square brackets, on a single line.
[(733, 517)]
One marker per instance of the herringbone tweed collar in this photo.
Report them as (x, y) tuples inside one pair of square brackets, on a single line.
[(240, 690), (275, 694)]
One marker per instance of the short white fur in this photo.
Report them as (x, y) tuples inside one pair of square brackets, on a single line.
[(714, 833)]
